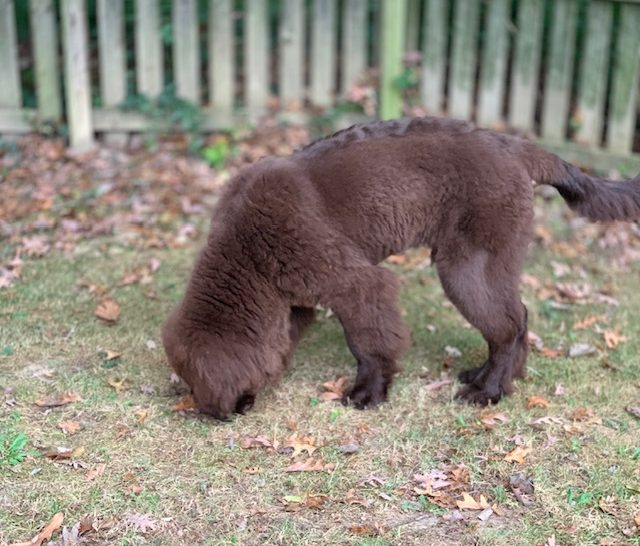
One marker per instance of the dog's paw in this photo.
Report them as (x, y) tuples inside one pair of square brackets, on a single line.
[(365, 396), (469, 376), (479, 396)]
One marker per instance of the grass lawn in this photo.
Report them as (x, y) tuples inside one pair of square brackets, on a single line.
[(136, 472)]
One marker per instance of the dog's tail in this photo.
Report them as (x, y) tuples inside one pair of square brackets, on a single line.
[(597, 199)]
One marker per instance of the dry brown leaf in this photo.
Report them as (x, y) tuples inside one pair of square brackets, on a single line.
[(334, 389), (300, 444), (249, 442), (141, 415), (96, 472), (53, 402), (111, 355), (397, 259), (46, 533), (108, 310), (636, 519), (585, 415), (491, 418), (550, 353), (69, 427), (311, 465), (518, 454), (587, 322), (186, 404), (365, 530), (117, 383), (535, 401), (469, 503), (613, 338), (438, 384)]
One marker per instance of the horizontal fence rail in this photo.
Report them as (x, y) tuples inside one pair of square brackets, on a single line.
[(564, 71)]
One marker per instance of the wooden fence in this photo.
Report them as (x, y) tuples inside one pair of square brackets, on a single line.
[(566, 71)]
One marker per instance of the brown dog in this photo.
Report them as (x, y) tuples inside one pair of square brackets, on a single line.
[(291, 233)]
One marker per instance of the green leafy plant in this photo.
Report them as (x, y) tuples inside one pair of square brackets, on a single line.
[(217, 153), (12, 448)]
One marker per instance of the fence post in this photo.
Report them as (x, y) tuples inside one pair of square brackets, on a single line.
[(44, 36), (78, 88), (149, 57), (186, 50), (256, 62), (393, 24), (10, 92), (323, 54)]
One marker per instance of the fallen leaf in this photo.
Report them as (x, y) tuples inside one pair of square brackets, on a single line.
[(46, 533), (633, 410), (186, 404), (365, 530), (108, 310), (535, 401), (141, 522), (485, 514), (249, 442), (438, 384), (453, 352), (613, 338), (117, 383), (587, 322), (349, 449), (311, 465), (550, 353), (585, 415), (535, 340), (66, 398), (96, 472), (518, 454), (111, 355), (636, 519), (397, 259), (581, 349), (334, 389), (560, 390), (69, 427), (469, 503), (491, 418), (300, 444)]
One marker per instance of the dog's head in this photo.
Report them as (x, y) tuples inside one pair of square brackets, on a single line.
[(219, 372)]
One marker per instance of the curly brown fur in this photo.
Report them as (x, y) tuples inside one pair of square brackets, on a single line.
[(292, 233)]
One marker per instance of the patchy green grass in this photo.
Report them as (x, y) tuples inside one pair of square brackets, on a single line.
[(194, 482)]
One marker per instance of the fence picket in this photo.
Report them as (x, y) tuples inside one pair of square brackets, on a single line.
[(186, 50), (10, 90), (113, 85), (221, 55), (77, 85), (557, 92), (354, 42), (434, 51), (291, 54), (44, 36), (593, 81), (494, 64), (624, 109), (524, 77), (413, 25), (463, 58), (323, 56), (393, 41), (149, 56), (256, 41)]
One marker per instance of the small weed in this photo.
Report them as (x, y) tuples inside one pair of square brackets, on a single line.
[(216, 154), (12, 448)]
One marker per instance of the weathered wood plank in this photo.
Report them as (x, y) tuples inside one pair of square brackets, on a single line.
[(113, 85), (526, 62), (149, 56), (354, 44), (494, 63), (434, 52), (624, 94), (463, 58), (413, 26), (17, 120), (593, 73), (394, 20), (557, 90), (10, 89), (256, 52), (221, 55), (323, 53), (44, 36), (77, 85), (291, 81), (186, 50)]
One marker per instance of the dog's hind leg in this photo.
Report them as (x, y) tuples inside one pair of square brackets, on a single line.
[(375, 332), (484, 288)]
